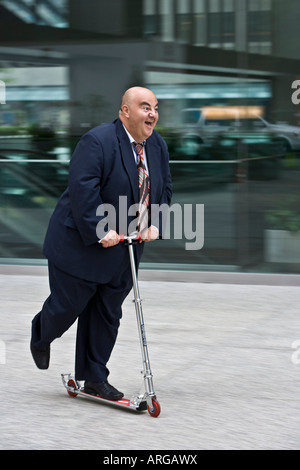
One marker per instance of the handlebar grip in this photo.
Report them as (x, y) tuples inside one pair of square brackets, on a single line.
[(124, 238)]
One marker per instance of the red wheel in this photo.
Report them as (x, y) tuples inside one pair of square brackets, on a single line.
[(155, 411), (71, 383)]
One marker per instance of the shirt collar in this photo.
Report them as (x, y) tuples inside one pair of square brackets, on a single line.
[(131, 138)]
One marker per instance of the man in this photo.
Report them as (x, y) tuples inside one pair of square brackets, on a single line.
[(90, 276)]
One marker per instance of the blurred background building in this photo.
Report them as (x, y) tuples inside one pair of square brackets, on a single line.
[(225, 73)]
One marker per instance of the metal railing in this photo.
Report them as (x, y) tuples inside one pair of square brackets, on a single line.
[(235, 193)]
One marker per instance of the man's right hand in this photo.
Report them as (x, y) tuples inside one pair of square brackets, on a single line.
[(111, 239)]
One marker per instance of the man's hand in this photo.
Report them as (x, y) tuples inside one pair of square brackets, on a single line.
[(149, 234), (110, 239)]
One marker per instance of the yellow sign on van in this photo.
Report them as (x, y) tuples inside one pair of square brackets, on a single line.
[(232, 112)]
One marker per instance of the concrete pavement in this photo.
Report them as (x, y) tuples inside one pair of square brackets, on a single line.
[(224, 357)]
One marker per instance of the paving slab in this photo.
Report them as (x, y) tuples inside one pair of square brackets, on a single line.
[(224, 358)]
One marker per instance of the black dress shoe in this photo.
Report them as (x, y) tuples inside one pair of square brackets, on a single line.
[(103, 389), (41, 357)]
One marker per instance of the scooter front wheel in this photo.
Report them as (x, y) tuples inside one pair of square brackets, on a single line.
[(155, 410)]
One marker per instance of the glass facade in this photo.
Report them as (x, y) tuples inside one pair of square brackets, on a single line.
[(52, 13), (225, 73)]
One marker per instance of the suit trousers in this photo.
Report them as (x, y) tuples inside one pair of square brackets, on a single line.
[(98, 308)]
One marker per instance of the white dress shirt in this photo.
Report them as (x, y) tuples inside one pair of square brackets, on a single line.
[(134, 153)]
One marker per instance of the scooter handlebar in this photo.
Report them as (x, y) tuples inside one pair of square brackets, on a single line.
[(136, 237)]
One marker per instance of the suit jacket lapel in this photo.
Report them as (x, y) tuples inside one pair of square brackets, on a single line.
[(153, 161)]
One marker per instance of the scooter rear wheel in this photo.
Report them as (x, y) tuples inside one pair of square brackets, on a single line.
[(71, 383), (155, 411)]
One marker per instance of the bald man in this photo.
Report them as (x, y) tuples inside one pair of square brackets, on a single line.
[(89, 269)]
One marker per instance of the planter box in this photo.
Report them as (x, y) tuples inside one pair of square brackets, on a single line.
[(282, 246)]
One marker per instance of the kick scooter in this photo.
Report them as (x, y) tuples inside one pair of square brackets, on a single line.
[(148, 400)]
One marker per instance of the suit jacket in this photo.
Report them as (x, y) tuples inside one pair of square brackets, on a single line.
[(102, 168)]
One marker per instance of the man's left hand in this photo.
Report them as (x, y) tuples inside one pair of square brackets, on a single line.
[(149, 234)]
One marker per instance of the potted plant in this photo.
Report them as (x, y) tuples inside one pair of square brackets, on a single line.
[(282, 238)]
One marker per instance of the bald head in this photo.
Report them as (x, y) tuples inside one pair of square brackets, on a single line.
[(139, 112), (133, 93)]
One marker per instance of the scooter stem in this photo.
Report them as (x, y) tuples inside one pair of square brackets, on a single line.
[(149, 389)]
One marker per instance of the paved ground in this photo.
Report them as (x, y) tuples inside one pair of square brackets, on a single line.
[(225, 363)]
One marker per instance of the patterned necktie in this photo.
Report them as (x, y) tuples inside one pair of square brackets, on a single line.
[(144, 188)]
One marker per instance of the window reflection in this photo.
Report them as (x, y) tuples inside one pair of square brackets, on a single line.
[(222, 71)]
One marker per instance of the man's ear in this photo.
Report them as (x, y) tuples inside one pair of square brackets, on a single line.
[(125, 110)]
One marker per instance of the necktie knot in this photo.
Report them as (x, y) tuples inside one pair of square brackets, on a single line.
[(138, 147), (139, 151)]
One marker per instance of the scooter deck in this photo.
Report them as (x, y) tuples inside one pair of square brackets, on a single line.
[(123, 402), (73, 390)]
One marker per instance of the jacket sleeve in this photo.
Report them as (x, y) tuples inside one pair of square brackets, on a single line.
[(86, 168)]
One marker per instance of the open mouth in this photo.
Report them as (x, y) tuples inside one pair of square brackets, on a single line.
[(149, 124)]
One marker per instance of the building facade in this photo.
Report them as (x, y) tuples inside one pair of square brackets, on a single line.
[(66, 64)]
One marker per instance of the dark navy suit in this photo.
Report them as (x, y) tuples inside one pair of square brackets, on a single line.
[(87, 280)]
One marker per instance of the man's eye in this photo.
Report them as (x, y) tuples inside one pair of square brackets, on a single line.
[(148, 108)]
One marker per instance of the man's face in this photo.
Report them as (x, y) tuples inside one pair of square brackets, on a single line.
[(141, 114)]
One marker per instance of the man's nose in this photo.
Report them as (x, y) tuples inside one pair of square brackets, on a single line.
[(152, 112)]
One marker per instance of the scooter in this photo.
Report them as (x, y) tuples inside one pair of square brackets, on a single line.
[(148, 400)]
